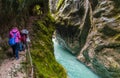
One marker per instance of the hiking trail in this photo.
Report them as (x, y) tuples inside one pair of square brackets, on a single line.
[(12, 68)]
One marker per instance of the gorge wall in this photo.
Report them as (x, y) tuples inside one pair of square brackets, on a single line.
[(90, 29)]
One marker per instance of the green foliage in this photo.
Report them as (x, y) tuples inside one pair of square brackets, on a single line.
[(37, 9), (20, 9)]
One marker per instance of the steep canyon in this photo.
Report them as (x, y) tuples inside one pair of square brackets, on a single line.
[(90, 29)]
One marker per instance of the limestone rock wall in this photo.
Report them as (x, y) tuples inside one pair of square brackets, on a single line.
[(91, 29), (74, 19)]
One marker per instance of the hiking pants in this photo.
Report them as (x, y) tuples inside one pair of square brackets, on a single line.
[(17, 50), (13, 48), (20, 46)]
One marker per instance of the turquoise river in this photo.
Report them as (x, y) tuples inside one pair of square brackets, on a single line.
[(74, 68)]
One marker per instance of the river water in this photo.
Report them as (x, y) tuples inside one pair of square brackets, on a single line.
[(74, 68)]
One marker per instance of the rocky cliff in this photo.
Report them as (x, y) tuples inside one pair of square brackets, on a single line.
[(90, 29)]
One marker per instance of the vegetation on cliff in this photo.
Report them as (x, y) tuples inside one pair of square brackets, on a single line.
[(25, 14), (42, 50)]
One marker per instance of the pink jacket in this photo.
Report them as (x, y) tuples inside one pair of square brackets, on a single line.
[(18, 36)]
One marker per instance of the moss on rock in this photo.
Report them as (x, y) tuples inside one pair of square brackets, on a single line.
[(117, 37), (60, 2), (42, 50)]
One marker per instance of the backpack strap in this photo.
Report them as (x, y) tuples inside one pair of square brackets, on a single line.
[(14, 35)]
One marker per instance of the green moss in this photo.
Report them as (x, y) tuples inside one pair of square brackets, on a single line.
[(60, 2), (37, 10), (42, 50), (117, 37)]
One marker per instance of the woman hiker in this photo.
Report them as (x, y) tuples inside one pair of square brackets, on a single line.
[(14, 41)]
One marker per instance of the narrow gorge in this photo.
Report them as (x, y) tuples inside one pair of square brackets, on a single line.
[(87, 30)]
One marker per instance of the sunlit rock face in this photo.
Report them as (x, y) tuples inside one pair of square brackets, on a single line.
[(91, 29)]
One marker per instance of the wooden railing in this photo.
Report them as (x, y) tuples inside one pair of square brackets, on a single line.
[(30, 69)]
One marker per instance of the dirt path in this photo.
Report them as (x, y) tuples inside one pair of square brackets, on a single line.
[(12, 68)]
